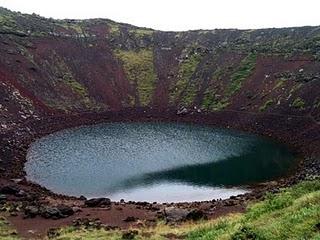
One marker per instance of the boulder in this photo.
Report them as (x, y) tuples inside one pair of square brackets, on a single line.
[(98, 202), (65, 210), (9, 189), (51, 213), (173, 214), (31, 211)]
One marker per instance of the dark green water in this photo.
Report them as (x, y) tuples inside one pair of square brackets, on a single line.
[(161, 162)]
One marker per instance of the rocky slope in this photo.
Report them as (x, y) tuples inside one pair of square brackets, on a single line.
[(268, 78)]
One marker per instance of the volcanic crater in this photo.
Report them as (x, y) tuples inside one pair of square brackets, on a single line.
[(61, 74)]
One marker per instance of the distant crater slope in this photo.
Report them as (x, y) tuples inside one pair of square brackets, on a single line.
[(66, 67)]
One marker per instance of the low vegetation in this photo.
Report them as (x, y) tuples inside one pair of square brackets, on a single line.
[(185, 88), (141, 32), (294, 213), (317, 103), (6, 232), (139, 69), (211, 98), (266, 105), (114, 30), (298, 103), (244, 70)]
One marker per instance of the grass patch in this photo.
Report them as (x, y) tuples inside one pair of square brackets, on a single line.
[(6, 232), (64, 78), (74, 27), (185, 88), (211, 99), (298, 103), (280, 83), (114, 30), (266, 105), (141, 32), (317, 103), (71, 233), (245, 69), (295, 88), (140, 71), (292, 214)]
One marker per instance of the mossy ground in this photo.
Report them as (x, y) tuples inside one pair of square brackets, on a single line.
[(211, 99), (266, 105), (6, 232), (293, 213), (185, 88), (139, 68), (141, 32), (298, 103), (245, 69)]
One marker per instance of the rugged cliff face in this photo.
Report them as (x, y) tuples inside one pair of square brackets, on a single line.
[(69, 66)]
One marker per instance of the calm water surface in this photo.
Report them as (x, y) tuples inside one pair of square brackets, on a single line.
[(163, 162)]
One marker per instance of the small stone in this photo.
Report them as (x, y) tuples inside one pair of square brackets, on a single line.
[(130, 219), (83, 198)]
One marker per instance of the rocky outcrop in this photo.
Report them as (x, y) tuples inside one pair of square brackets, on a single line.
[(98, 202)]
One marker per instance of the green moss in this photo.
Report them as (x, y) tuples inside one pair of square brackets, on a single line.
[(65, 78), (317, 103), (295, 88), (61, 68), (266, 105), (74, 85), (141, 32), (139, 69), (76, 27), (245, 69), (279, 83), (7, 21), (210, 100), (6, 232), (114, 29), (219, 105), (298, 103), (185, 88)]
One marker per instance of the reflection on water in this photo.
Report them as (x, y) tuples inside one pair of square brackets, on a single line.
[(153, 161)]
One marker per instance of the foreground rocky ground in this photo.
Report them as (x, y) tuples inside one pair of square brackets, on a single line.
[(291, 213)]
